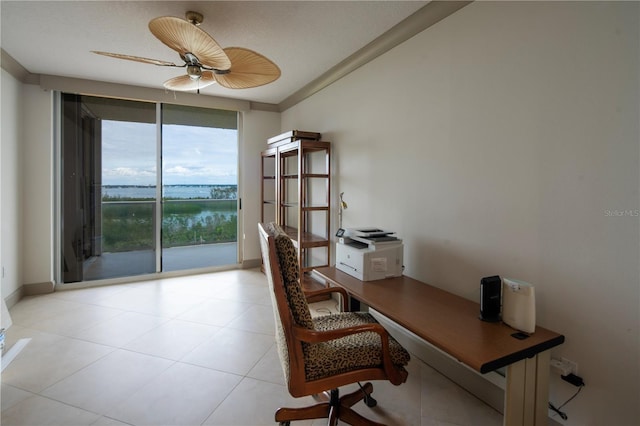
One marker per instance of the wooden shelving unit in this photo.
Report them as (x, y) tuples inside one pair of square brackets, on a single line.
[(296, 193)]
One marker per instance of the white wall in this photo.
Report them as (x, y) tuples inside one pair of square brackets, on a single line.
[(37, 185), (504, 140), (10, 185), (258, 126)]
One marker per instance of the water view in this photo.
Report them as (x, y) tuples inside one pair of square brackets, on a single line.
[(192, 215), (188, 192)]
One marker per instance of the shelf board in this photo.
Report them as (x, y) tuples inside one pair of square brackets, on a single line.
[(315, 208), (293, 148), (305, 175), (296, 205), (308, 239)]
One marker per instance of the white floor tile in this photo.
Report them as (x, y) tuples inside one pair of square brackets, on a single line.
[(263, 399), (269, 368), (90, 294), (152, 300), (232, 351), (122, 329), (108, 381), (438, 392), (40, 411), (397, 405), (106, 421), (181, 395), (247, 293), (74, 321), (35, 309), (37, 366), (173, 339), (258, 319), (10, 396), (215, 312)]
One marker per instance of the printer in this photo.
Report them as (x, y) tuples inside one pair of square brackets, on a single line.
[(369, 254)]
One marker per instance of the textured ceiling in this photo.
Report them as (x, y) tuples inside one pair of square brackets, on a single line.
[(305, 38)]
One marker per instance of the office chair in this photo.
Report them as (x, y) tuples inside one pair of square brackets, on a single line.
[(319, 355)]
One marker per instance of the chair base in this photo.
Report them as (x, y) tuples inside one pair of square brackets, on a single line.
[(337, 408)]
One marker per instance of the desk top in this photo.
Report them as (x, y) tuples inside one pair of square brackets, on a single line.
[(449, 322)]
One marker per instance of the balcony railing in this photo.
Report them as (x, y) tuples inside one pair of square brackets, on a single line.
[(195, 234)]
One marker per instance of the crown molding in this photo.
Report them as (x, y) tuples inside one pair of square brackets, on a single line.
[(123, 91), (14, 68), (262, 106)]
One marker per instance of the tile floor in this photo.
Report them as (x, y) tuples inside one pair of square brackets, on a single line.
[(195, 350)]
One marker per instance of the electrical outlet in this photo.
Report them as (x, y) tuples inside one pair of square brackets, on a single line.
[(560, 367), (573, 366), (564, 366)]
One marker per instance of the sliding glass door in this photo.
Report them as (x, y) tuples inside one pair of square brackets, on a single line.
[(199, 188), (146, 188)]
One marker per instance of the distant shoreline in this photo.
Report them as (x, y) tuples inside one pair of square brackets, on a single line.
[(176, 191), (177, 184)]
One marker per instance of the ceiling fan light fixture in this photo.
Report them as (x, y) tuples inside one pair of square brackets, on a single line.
[(194, 18), (194, 72)]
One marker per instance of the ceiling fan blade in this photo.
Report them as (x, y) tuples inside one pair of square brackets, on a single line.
[(137, 59), (184, 83), (248, 69), (184, 37)]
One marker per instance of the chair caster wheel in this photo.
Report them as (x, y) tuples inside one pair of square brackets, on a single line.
[(370, 401)]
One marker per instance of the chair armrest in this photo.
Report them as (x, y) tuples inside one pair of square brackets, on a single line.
[(328, 290), (314, 336)]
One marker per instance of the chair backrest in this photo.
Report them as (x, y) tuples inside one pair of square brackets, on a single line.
[(289, 303)]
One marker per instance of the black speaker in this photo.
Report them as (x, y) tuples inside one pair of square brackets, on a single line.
[(490, 298)]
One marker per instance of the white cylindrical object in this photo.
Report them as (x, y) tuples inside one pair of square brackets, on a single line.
[(518, 305)]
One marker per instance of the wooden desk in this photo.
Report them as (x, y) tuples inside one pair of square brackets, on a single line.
[(451, 324)]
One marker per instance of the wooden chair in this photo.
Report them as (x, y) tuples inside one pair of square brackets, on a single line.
[(319, 355)]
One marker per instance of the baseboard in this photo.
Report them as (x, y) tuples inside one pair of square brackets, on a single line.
[(38, 288), (251, 263), (14, 297)]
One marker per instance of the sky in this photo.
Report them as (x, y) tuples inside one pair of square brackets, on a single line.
[(191, 155)]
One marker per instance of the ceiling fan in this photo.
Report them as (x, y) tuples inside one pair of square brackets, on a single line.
[(205, 61)]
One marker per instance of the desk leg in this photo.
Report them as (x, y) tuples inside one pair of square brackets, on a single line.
[(527, 392), (354, 304)]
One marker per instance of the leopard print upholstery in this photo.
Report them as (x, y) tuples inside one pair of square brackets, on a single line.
[(289, 266), (352, 352), (281, 341)]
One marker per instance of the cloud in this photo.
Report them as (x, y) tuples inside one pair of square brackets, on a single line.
[(190, 155)]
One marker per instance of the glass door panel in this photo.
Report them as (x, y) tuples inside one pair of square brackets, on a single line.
[(108, 188), (199, 188)]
